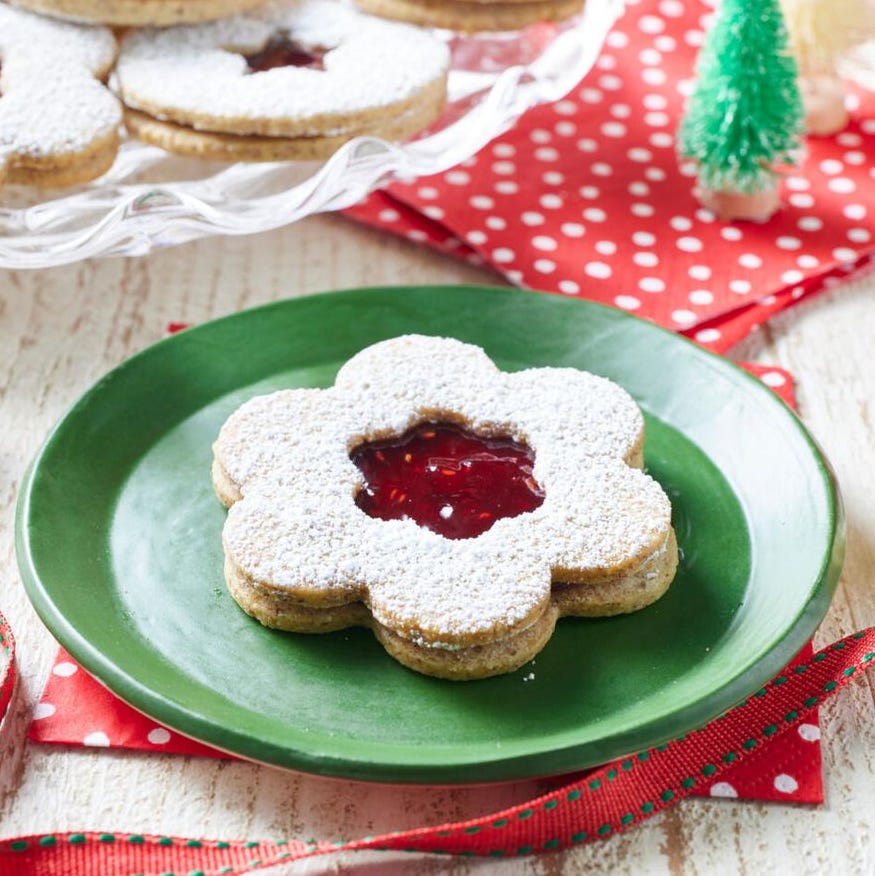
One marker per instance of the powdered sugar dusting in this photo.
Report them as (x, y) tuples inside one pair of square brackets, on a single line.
[(297, 527), (52, 102), (197, 74)]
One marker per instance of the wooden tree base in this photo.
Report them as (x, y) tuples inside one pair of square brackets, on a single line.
[(824, 100), (729, 206)]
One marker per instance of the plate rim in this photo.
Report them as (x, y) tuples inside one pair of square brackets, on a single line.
[(140, 696)]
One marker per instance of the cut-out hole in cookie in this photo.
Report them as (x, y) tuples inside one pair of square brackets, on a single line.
[(282, 51), (447, 479)]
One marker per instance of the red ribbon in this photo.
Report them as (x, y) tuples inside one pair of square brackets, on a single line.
[(8, 670), (598, 805)]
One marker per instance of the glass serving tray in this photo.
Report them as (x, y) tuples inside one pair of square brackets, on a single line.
[(151, 199)]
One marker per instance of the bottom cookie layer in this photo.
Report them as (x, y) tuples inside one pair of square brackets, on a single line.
[(455, 664), (635, 590), (477, 661), (137, 12), (59, 171), (223, 146), (473, 16), (630, 592), (235, 147)]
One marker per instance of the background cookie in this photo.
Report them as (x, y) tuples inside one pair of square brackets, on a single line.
[(215, 146), (137, 12), (314, 71), (476, 15), (58, 122)]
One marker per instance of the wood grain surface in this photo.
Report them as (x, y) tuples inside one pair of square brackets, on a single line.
[(62, 328)]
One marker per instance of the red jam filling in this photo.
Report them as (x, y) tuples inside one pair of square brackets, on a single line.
[(447, 479), (280, 51)]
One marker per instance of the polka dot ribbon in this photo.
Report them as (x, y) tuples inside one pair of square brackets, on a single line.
[(8, 671), (595, 806)]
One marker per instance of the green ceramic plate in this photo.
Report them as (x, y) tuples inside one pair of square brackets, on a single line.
[(119, 546)]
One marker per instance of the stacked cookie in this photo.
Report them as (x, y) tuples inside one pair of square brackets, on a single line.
[(303, 78), (469, 16), (58, 122), (224, 79), (128, 13), (331, 493)]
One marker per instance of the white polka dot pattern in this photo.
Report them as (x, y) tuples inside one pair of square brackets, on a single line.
[(785, 783), (76, 710), (597, 175)]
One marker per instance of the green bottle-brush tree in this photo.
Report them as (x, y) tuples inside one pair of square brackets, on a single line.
[(744, 117)]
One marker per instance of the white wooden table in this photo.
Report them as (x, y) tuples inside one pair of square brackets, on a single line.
[(61, 329)]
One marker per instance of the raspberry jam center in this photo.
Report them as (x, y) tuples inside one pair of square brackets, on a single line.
[(447, 479), (281, 51)]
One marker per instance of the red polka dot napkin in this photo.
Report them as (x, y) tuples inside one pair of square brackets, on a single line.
[(593, 806), (77, 710), (586, 197)]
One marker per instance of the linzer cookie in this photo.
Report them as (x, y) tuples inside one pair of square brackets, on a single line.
[(474, 15), (137, 12), (285, 82), (455, 509), (58, 121)]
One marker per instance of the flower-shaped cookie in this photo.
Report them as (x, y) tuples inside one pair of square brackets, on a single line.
[(302, 555), (58, 122), (290, 80)]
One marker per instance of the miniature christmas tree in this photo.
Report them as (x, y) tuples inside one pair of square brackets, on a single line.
[(821, 33), (745, 114)]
